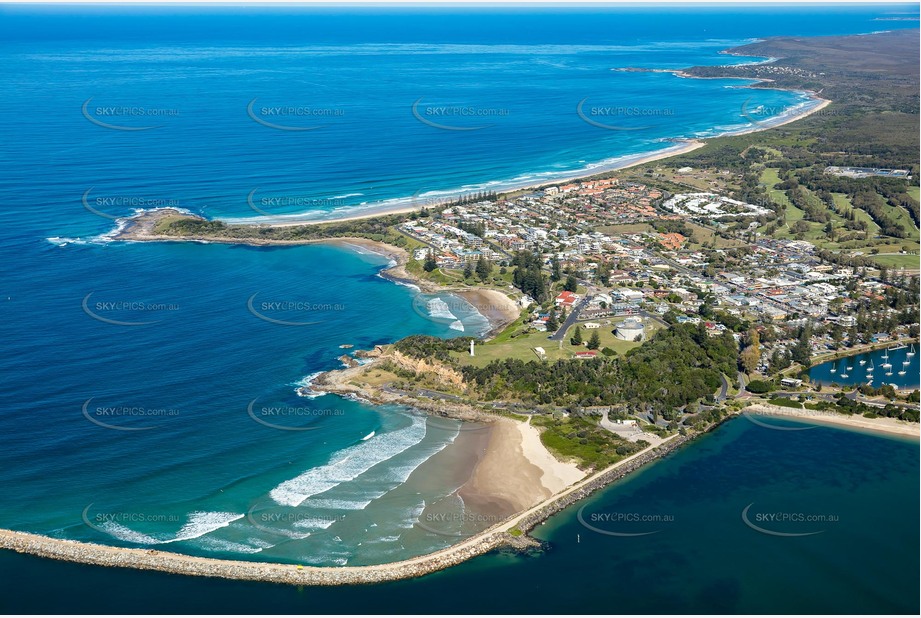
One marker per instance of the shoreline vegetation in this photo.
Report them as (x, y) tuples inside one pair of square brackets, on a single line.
[(409, 205), (512, 532), (544, 484), (855, 422)]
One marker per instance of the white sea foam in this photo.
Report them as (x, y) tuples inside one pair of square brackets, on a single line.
[(199, 524), (202, 522), (348, 463), (254, 547), (439, 310), (63, 241), (457, 325), (334, 504), (408, 285), (123, 533), (412, 515), (313, 524), (304, 386)]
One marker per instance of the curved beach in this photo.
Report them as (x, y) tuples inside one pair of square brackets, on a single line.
[(508, 533)]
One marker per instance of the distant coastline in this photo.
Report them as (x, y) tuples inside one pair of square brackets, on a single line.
[(679, 146), (511, 532)]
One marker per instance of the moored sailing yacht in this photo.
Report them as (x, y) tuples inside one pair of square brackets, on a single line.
[(887, 364)]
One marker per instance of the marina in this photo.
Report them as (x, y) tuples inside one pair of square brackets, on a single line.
[(894, 365)]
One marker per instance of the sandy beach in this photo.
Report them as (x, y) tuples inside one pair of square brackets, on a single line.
[(890, 426), (412, 204), (494, 305), (516, 472), (409, 205), (490, 539), (556, 475)]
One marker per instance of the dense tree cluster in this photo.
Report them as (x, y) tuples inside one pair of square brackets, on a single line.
[(426, 346), (677, 366), (528, 276), (377, 227)]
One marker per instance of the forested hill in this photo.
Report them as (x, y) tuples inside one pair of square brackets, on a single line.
[(677, 366), (874, 71)]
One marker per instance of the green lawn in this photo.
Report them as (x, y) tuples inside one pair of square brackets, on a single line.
[(703, 235), (520, 347), (901, 216), (770, 179), (908, 261), (512, 343), (816, 233), (410, 243), (606, 334), (843, 200)]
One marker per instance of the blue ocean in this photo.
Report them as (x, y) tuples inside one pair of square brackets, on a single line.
[(151, 389)]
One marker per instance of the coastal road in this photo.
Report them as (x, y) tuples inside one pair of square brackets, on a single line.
[(724, 389), (423, 392), (570, 320), (833, 396)]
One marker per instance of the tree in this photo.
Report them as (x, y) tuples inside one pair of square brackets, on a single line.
[(802, 351), (430, 264), (483, 268), (759, 387), (853, 337), (577, 336), (528, 277), (555, 274), (571, 283), (468, 270), (837, 335), (779, 361), (552, 323), (594, 342), (749, 359)]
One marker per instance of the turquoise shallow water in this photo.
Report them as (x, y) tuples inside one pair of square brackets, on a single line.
[(188, 363), (704, 559)]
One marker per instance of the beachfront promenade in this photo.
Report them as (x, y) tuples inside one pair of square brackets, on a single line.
[(493, 538)]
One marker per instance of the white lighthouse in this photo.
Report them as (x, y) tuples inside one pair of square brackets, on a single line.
[(471, 347)]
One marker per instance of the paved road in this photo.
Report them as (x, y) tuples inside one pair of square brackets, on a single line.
[(724, 389), (570, 320), (833, 396)]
